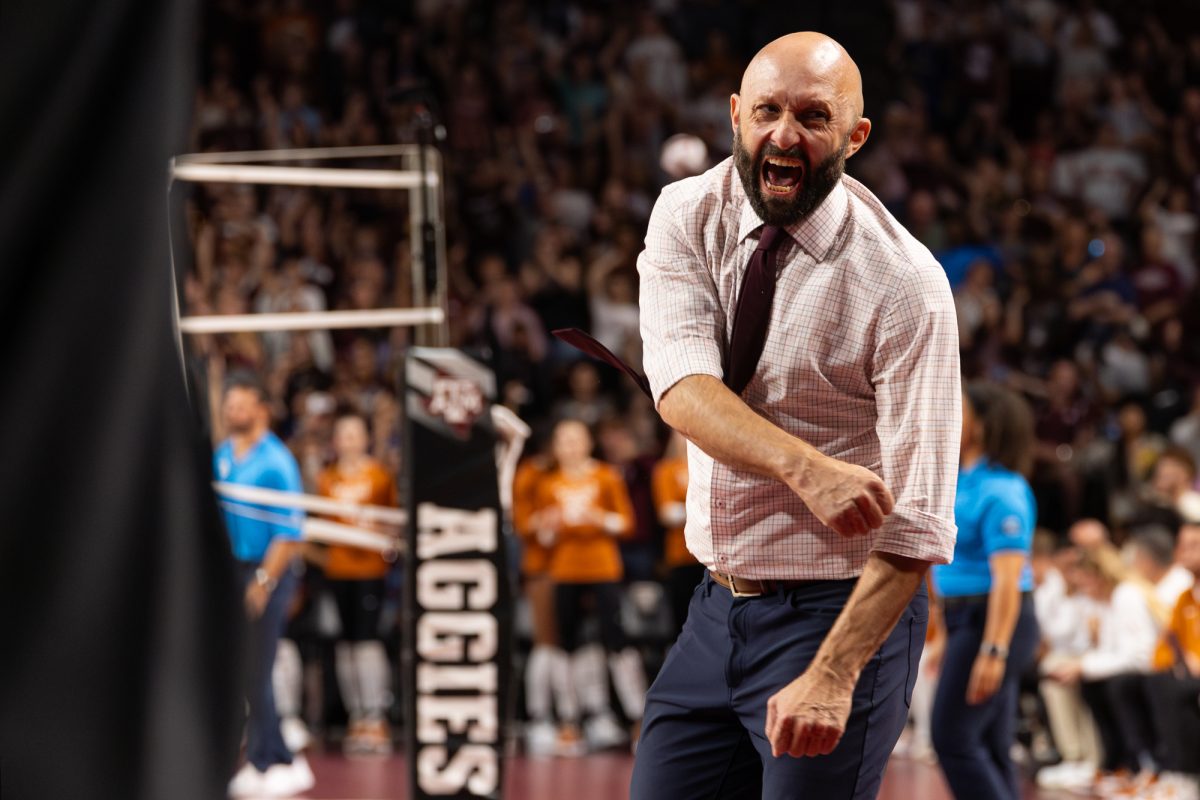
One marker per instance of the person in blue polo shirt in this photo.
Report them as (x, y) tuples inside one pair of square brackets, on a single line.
[(986, 594), (265, 540)]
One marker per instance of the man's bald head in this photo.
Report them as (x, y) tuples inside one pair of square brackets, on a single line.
[(803, 58), (796, 119)]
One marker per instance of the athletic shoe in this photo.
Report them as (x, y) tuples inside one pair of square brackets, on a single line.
[(602, 733), (1067, 775), (352, 742), (374, 738), (287, 780), (1138, 788), (303, 774), (1174, 786), (247, 782), (295, 734), (570, 742), (541, 738), (1114, 784)]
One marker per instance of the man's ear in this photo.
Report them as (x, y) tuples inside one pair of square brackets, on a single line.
[(735, 110), (858, 136)]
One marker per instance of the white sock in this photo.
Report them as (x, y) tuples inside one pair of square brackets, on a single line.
[(565, 697), (591, 679), (347, 676), (539, 682), (287, 677), (374, 678), (629, 678)]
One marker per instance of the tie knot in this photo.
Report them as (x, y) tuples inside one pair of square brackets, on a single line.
[(771, 235)]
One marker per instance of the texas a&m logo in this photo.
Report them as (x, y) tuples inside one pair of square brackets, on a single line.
[(457, 401)]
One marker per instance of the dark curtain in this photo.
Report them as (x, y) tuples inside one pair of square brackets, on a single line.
[(118, 611)]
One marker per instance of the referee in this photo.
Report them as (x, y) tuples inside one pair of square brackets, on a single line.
[(991, 631), (265, 542)]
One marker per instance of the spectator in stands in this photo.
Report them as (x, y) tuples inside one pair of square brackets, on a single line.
[(1175, 690), (1122, 631), (1063, 614), (1172, 484)]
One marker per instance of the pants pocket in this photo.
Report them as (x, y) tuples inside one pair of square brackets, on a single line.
[(916, 644)]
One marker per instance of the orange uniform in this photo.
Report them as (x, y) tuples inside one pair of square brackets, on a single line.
[(1185, 626), (669, 483), (535, 557), (585, 551), (370, 484)]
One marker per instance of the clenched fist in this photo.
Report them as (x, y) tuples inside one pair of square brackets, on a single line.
[(808, 716), (848, 498)]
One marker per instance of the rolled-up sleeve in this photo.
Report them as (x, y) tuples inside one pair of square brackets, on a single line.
[(682, 322), (919, 405)]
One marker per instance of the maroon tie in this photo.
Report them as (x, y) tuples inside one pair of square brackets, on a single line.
[(582, 341), (749, 321), (753, 311)]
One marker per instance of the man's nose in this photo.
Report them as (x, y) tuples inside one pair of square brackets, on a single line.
[(786, 133)]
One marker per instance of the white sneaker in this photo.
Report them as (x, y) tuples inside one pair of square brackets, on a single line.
[(304, 777), (287, 780), (295, 734), (247, 782), (1067, 775), (1081, 777), (541, 738), (1175, 786), (603, 732)]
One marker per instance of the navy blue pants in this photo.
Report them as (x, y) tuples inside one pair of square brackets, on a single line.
[(264, 742), (973, 742), (704, 735)]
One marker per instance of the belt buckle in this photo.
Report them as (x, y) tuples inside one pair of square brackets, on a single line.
[(733, 588)]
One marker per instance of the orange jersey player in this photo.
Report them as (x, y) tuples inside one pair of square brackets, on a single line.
[(584, 508), (356, 577)]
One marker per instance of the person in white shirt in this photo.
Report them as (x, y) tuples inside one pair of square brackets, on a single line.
[(1123, 631), (1153, 560), (1062, 612)]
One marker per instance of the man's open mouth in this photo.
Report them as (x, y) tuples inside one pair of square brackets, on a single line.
[(782, 175)]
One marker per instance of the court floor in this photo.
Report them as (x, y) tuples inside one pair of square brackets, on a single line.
[(597, 777)]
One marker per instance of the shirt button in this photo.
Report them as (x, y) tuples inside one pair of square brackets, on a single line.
[(720, 504)]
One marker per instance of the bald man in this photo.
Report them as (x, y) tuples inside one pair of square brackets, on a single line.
[(806, 346)]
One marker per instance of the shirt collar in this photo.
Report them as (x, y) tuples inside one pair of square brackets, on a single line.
[(815, 233)]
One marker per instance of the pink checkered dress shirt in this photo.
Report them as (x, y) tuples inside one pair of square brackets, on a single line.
[(860, 361)]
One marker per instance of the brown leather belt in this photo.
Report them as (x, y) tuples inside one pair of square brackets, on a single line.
[(749, 587)]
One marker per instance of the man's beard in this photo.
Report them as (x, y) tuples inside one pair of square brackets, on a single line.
[(815, 185)]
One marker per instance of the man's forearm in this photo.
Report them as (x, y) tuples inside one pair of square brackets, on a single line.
[(716, 420), (279, 556), (848, 498), (887, 585)]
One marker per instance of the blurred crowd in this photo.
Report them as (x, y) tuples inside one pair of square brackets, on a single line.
[(1046, 151)]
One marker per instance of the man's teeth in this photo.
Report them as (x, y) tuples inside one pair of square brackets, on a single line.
[(784, 162)]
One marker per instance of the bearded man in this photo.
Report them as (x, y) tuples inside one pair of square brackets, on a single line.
[(806, 346)]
